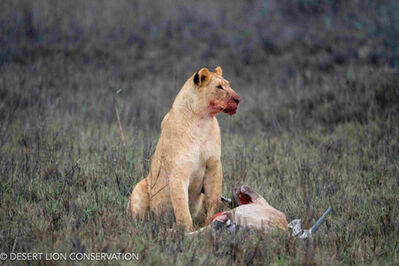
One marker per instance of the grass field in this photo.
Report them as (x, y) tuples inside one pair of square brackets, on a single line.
[(318, 124)]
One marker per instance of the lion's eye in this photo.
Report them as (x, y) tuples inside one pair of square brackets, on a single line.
[(220, 87)]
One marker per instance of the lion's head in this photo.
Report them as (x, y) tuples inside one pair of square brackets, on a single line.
[(214, 93)]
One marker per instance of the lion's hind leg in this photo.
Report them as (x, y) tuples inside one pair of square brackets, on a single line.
[(139, 200)]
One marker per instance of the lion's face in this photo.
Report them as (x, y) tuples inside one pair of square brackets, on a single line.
[(214, 92)]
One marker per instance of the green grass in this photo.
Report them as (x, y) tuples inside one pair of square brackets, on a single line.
[(318, 125), (69, 194)]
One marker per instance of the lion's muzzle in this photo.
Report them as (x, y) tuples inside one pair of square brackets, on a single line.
[(232, 102)]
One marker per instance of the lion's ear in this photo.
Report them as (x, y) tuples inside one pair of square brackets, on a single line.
[(201, 77), (219, 70)]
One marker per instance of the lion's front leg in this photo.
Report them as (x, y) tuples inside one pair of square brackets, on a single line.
[(179, 196), (212, 187)]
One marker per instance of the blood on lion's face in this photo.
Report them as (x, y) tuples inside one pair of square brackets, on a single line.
[(215, 93)]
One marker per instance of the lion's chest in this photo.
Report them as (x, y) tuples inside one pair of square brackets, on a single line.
[(206, 149)]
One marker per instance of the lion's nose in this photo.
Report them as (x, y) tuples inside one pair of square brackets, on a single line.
[(237, 99)]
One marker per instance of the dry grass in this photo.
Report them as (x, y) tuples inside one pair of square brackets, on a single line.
[(317, 126)]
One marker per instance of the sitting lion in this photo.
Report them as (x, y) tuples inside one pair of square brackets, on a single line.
[(186, 172)]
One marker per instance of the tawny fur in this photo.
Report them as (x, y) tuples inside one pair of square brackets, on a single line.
[(187, 157), (258, 213)]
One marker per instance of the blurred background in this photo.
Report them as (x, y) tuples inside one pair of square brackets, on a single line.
[(277, 54), (318, 123)]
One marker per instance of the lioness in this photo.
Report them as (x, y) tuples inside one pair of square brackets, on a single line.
[(186, 172)]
